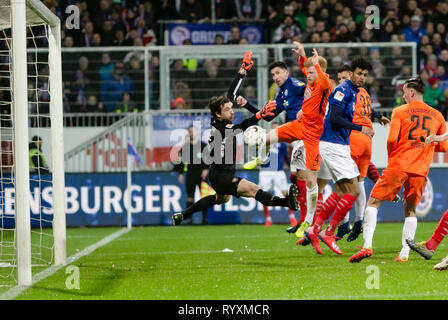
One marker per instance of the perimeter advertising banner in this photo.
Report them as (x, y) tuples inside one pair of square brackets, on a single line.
[(204, 33), (102, 200)]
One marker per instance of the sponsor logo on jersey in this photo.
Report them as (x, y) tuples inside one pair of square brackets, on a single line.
[(286, 92), (300, 83), (285, 103), (307, 94), (339, 96)]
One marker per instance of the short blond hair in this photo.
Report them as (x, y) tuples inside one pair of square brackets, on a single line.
[(322, 62)]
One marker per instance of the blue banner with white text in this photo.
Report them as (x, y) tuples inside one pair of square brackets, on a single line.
[(103, 199), (205, 33)]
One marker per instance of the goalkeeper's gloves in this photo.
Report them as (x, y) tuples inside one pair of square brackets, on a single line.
[(267, 109), (247, 63)]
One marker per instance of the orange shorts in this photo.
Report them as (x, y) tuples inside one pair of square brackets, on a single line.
[(391, 181), (294, 130), (361, 151)]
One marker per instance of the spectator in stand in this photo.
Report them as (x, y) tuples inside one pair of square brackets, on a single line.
[(415, 31), (113, 86), (214, 82), (424, 75), (343, 35), (119, 39), (385, 33), (126, 105), (287, 22), (107, 34), (321, 26), (442, 77), (244, 41), (96, 40), (347, 15), (219, 39), (431, 64), (154, 89), (429, 28), (441, 29), (68, 42), (225, 9), (410, 8), (106, 67), (235, 35), (325, 37), (81, 86), (104, 14), (437, 44), (434, 95), (309, 29), (405, 73), (182, 90), (93, 106), (87, 34), (248, 9), (423, 55), (441, 14), (192, 11), (443, 59), (136, 74)]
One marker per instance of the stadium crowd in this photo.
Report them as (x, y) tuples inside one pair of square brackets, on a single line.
[(114, 82)]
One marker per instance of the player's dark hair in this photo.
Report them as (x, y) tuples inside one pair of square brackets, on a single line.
[(279, 64), (361, 63), (344, 68), (417, 84), (215, 104)]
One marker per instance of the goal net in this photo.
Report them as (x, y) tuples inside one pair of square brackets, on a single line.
[(32, 207)]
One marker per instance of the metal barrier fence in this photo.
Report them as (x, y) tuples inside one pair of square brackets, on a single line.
[(185, 77)]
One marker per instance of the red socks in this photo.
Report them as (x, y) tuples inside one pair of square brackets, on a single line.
[(325, 212), (440, 233), (319, 204), (266, 211), (373, 173), (342, 208), (301, 198)]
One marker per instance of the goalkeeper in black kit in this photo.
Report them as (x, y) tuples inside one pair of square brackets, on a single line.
[(222, 149)]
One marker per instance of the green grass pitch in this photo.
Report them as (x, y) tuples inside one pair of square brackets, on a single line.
[(190, 262)]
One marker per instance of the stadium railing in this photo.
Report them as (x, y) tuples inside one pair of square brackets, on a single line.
[(195, 73)]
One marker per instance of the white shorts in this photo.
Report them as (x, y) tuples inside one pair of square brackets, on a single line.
[(298, 161), (273, 180), (336, 159)]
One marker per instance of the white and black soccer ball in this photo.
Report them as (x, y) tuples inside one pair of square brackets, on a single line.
[(254, 136)]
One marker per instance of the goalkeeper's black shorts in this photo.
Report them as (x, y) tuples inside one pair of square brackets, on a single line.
[(224, 182)]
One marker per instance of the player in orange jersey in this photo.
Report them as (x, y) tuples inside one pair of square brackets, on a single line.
[(408, 161), (307, 127), (361, 152)]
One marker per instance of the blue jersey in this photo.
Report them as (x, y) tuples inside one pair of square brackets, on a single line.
[(290, 98), (278, 156), (344, 97)]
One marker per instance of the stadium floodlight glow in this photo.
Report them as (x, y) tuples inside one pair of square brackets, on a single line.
[(17, 20)]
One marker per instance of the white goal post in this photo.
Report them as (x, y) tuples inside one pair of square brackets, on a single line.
[(22, 14)]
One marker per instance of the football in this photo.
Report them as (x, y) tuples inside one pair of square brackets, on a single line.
[(254, 136)]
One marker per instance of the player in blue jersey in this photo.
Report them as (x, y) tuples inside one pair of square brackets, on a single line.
[(334, 147), (272, 177), (288, 99)]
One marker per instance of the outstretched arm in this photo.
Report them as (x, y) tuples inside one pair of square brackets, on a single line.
[(242, 72), (300, 51), (241, 101)]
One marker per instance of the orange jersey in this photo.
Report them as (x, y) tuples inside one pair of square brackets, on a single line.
[(315, 100), (363, 110), (410, 125)]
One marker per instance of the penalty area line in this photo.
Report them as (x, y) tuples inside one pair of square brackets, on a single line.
[(17, 290)]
